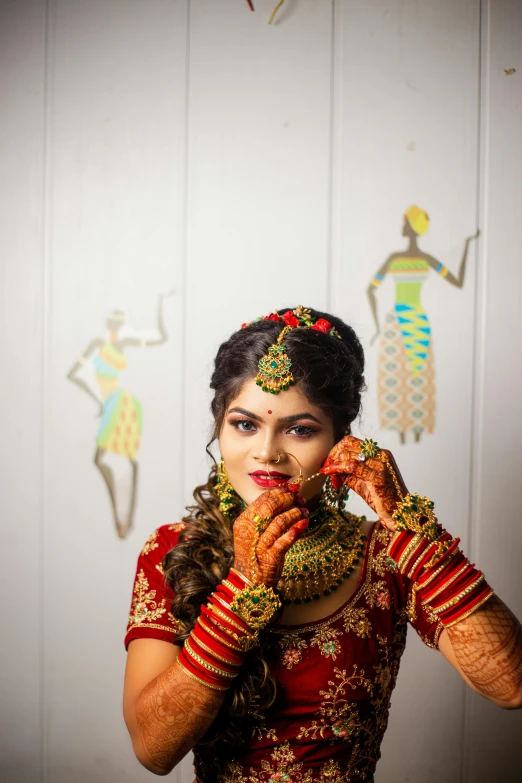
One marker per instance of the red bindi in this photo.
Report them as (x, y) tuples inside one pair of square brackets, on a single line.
[(270, 411)]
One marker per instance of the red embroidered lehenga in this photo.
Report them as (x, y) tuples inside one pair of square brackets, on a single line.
[(335, 676)]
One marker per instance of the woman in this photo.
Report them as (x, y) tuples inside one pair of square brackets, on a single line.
[(406, 366), (120, 427), (266, 629)]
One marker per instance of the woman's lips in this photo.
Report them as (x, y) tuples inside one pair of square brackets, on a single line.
[(260, 477)]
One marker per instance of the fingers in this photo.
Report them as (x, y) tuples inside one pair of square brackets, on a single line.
[(280, 525), (283, 544), (371, 471), (273, 502)]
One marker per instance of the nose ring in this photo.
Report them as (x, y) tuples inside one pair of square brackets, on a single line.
[(300, 478), (274, 461)]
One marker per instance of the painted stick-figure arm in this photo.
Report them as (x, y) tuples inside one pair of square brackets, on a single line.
[(375, 283), (72, 374), (445, 273), (135, 341)]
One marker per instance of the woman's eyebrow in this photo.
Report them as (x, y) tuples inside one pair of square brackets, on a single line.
[(246, 413), (293, 417), (297, 416)]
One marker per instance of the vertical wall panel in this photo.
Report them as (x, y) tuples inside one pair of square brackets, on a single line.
[(22, 90), (406, 110), (259, 173), (116, 237), (492, 735)]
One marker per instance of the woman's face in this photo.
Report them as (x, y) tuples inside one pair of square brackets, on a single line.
[(257, 426)]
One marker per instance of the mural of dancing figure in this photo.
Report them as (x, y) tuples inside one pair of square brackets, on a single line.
[(119, 433), (406, 377)]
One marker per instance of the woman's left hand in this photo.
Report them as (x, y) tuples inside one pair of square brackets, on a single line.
[(372, 479)]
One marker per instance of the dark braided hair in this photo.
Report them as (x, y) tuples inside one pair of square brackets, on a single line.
[(329, 372)]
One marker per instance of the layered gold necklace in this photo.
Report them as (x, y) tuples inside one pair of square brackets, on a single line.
[(321, 560)]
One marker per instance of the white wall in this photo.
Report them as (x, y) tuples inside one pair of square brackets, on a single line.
[(190, 146)]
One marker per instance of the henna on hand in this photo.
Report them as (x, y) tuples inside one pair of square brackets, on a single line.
[(285, 524), (488, 648), (372, 479), (173, 713)]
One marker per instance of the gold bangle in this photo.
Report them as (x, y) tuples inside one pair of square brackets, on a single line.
[(230, 586), (470, 611), (410, 548), (256, 606), (198, 679), (241, 576), (416, 563), (215, 654), (439, 570), (469, 589), (226, 618), (216, 636), (220, 672), (449, 582), (228, 606)]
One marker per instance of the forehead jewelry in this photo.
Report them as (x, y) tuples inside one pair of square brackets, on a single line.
[(275, 373)]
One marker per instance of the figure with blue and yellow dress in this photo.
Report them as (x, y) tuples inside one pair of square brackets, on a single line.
[(121, 414), (406, 378)]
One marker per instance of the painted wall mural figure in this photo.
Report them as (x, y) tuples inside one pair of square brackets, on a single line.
[(119, 432), (406, 377)]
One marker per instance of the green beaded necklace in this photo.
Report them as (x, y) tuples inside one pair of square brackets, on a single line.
[(322, 559)]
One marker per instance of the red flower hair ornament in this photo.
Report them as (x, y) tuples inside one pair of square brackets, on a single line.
[(274, 367)]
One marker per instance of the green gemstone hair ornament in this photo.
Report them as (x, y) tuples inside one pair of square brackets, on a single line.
[(275, 373)]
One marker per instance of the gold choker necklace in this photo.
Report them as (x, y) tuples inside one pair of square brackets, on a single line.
[(322, 559)]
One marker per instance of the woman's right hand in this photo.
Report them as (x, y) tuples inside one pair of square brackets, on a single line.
[(283, 524)]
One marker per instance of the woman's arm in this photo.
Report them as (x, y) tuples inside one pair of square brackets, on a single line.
[(166, 712), (486, 649), (72, 374), (375, 283), (444, 272), (134, 341)]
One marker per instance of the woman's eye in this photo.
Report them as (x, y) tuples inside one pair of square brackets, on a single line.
[(301, 431), (244, 425)]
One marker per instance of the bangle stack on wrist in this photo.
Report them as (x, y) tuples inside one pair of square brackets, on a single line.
[(443, 582), (216, 646)]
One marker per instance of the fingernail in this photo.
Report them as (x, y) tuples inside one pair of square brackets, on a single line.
[(324, 470), (301, 525), (305, 512), (301, 501)]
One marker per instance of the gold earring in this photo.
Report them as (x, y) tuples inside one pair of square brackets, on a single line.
[(228, 498)]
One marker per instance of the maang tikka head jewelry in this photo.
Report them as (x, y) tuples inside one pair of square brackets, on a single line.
[(275, 373)]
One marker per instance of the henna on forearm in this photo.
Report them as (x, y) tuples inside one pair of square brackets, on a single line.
[(173, 713), (488, 648)]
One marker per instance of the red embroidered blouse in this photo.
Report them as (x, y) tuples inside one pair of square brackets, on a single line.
[(335, 676)]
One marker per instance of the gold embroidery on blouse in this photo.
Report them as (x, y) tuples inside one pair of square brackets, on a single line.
[(151, 543), (330, 772), (284, 770), (177, 526), (350, 721), (326, 640), (338, 716), (377, 594), (145, 610), (292, 647)]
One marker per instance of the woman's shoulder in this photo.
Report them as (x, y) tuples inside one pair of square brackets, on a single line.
[(163, 539), (150, 615)]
